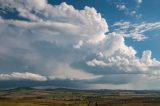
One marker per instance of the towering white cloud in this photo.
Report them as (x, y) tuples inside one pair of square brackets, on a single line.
[(42, 42), (115, 43), (146, 57), (118, 56), (83, 23)]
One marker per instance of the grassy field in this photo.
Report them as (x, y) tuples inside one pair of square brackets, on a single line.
[(69, 97)]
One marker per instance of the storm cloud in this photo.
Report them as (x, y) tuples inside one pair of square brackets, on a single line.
[(46, 42)]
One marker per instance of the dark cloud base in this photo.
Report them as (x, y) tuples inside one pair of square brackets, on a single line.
[(42, 84)]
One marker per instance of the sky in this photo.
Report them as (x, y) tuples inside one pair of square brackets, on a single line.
[(80, 44)]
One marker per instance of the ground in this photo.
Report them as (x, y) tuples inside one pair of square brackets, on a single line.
[(71, 97)]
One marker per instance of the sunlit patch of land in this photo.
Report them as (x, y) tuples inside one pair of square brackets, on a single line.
[(70, 97)]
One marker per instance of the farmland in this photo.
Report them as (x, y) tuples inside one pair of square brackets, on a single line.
[(71, 97)]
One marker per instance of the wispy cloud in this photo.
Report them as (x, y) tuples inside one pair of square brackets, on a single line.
[(135, 31)]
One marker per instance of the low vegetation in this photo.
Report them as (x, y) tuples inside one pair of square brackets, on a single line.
[(70, 97)]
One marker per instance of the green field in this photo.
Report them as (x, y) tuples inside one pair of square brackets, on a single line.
[(70, 97)]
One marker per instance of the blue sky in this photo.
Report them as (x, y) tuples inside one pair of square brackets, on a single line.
[(84, 44)]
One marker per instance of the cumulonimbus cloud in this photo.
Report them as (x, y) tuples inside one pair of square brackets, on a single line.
[(53, 40), (45, 38)]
